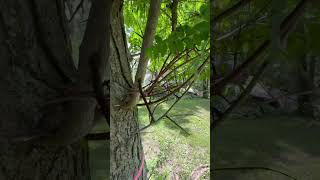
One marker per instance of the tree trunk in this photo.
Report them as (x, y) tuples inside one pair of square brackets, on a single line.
[(36, 66), (126, 148), (305, 83), (316, 93)]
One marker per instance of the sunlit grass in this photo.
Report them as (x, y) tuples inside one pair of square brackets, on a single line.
[(169, 149)]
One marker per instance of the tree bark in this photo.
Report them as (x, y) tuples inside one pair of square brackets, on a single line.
[(36, 67), (126, 147)]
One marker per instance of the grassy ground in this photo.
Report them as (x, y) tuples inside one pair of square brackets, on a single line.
[(170, 151), (99, 155), (281, 142)]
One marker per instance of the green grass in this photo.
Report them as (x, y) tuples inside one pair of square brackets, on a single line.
[(99, 155), (282, 142), (168, 149)]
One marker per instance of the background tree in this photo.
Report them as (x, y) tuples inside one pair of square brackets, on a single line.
[(48, 105), (235, 62), (166, 49), (54, 88)]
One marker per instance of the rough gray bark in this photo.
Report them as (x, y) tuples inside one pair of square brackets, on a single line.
[(36, 67), (126, 147)]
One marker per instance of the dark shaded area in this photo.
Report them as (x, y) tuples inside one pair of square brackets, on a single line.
[(284, 143)]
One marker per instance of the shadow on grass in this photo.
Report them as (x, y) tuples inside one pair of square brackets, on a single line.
[(181, 113), (284, 143), (168, 149)]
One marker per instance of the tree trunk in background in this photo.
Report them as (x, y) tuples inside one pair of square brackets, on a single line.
[(305, 83), (126, 147), (309, 105), (205, 89), (36, 66), (316, 94)]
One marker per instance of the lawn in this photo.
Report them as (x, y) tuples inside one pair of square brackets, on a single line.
[(99, 152), (169, 150), (284, 143)]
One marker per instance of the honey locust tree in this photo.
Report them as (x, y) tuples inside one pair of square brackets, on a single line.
[(175, 57)]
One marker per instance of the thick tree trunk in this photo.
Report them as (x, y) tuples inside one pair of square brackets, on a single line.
[(126, 149), (36, 67)]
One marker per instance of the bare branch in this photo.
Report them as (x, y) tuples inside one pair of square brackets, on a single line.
[(166, 113), (243, 95), (165, 68), (200, 68), (145, 101)]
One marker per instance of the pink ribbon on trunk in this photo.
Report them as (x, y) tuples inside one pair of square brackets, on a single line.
[(136, 177)]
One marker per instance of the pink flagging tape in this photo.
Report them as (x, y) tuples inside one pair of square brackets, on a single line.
[(136, 177)]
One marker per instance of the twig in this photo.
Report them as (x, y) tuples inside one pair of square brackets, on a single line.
[(145, 101), (200, 68), (165, 114)]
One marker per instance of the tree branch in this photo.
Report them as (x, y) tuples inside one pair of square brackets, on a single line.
[(231, 10), (145, 101), (243, 95), (165, 68), (287, 26), (165, 114), (174, 15), (148, 37), (200, 68)]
